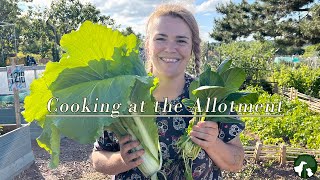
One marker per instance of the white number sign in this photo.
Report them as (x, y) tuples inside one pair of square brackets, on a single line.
[(16, 79)]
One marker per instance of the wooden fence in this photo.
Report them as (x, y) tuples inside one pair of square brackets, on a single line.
[(291, 93), (284, 154)]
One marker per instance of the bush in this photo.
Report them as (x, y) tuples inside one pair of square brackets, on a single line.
[(254, 57), (298, 127), (311, 50), (302, 77), (246, 139)]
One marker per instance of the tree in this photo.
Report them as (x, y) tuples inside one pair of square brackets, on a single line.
[(9, 11), (281, 21), (33, 37), (129, 31), (8, 15), (254, 57), (41, 30), (311, 25)]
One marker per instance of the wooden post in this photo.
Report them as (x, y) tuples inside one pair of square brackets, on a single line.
[(283, 154), (17, 107), (35, 73), (16, 98), (295, 93), (257, 151), (284, 90), (310, 100), (291, 93), (276, 89)]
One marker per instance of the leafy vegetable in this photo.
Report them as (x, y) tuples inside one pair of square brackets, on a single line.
[(221, 86), (101, 66), (298, 127)]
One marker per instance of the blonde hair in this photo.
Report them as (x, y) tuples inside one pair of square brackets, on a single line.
[(174, 10)]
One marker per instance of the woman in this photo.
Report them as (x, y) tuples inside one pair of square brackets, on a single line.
[(172, 38)]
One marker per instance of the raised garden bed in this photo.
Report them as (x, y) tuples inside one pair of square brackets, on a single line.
[(15, 150)]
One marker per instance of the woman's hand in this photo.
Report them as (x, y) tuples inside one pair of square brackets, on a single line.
[(227, 156), (130, 158), (205, 134), (113, 163)]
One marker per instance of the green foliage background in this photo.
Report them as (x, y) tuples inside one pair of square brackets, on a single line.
[(302, 77), (299, 127)]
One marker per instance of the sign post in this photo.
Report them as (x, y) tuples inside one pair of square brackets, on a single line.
[(16, 81)]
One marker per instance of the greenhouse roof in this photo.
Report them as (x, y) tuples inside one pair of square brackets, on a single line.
[(289, 59)]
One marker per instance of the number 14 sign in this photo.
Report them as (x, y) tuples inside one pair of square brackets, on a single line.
[(16, 79)]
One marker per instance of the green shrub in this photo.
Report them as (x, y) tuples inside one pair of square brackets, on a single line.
[(246, 139), (303, 78), (254, 57), (299, 127)]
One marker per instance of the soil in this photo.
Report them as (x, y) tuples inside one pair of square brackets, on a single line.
[(266, 170), (75, 164), (6, 128)]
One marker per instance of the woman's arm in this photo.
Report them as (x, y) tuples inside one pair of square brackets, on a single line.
[(228, 156), (113, 163), (108, 162)]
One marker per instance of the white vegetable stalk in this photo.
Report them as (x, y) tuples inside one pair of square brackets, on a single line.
[(151, 164)]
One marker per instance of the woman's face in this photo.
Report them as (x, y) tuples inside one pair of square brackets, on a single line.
[(169, 46)]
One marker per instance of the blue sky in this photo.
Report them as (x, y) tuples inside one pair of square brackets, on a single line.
[(135, 13)]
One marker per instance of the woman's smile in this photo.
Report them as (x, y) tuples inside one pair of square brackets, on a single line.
[(170, 60)]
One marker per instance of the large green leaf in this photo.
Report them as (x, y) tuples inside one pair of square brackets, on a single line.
[(212, 92), (115, 90), (188, 103), (111, 91), (93, 41), (233, 78), (225, 65), (194, 85), (102, 69), (243, 97), (210, 78), (35, 104), (99, 65), (90, 42), (50, 141)]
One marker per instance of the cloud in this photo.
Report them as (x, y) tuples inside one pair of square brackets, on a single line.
[(38, 4), (43, 3), (207, 14), (204, 32), (209, 6), (135, 13), (127, 12)]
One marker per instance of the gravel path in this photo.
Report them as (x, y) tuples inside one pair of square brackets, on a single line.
[(74, 163)]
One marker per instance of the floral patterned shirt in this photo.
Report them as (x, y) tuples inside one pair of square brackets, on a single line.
[(170, 129)]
